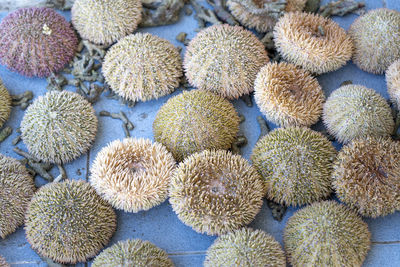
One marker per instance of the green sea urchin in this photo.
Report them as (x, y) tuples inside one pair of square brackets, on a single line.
[(106, 21), (16, 190), (215, 192), (225, 60), (133, 252), (366, 176), (59, 127), (326, 234), (143, 67), (3, 262), (288, 96), (246, 248), (393, 82), (195, 121), (68, 222), (296, 164), (5, 104), (354, 111), (379, 27)]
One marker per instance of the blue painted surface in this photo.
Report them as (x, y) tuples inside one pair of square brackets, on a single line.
[(160, 225)]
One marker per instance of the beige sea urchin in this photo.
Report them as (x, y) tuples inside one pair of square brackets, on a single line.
[(133, 174), (225, 60), (215, 192), (288, 96), (312, 42), (393, 82), (5, 104)]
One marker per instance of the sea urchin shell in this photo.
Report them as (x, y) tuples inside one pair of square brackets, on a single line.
[(393, 82), (5, 104)]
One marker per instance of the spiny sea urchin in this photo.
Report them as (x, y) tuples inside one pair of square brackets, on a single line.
[(133, 252), (106, 21), (143, 66), (3, 262), (36, 41), (225, 60), (16, 190), (366, 176), (59, 126), (133, 174), (288, 96), (296, 164), (354, 111), (312, 42), (215, 192), (68, 222), (246, 248), (194, 121), (326, 234), (393, 82), (5, 104), (376, 38)]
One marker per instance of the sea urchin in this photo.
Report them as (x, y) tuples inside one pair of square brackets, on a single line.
[(5, 104), (393, 82)]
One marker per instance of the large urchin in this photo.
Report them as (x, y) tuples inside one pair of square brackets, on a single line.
[(216, 192), (5, 104), (296, 164), (16, 190), (393, 82), (36, 41), (142, 67), (68, 222), (366, 176), (354, 111), (106, 21), (246, 248), (59, 127), (195, 121), (326, 234), (133, 174), (133, 252), (225, 60)]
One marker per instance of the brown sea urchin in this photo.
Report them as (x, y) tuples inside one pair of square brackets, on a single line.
[(312, 42), (5, 104), (393, 82), (225, 60), (288, 96), (68, 222), (143, 66), (215, 192), (133, 174), (326, 234), (246, 248)]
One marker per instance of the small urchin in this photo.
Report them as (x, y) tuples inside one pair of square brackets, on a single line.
[(59, 127), (133, 174), (288, 95), (246, 248), (3, 262), (225, 60), (68, 222), (36, 41), (326, 234), (16, 190), (354, 111), (142, 67), (315, 43), (194, 121), (366, 176), (216, 192), (133, 252), (393, 82), (5, 104), (379, 27), (296, 164), (106, 21)]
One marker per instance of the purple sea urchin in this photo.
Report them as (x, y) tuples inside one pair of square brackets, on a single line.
[(106, 21), (312, 42), (36, 41), (225, 60), (195, 121), (215, 192), (68, 222), (5, 104), (59, 127), (354, 111), (326, 234), (133, 175), (143, 67), (16, 190), (296, 164), (393, 82), (246, 248), (3, 262)]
